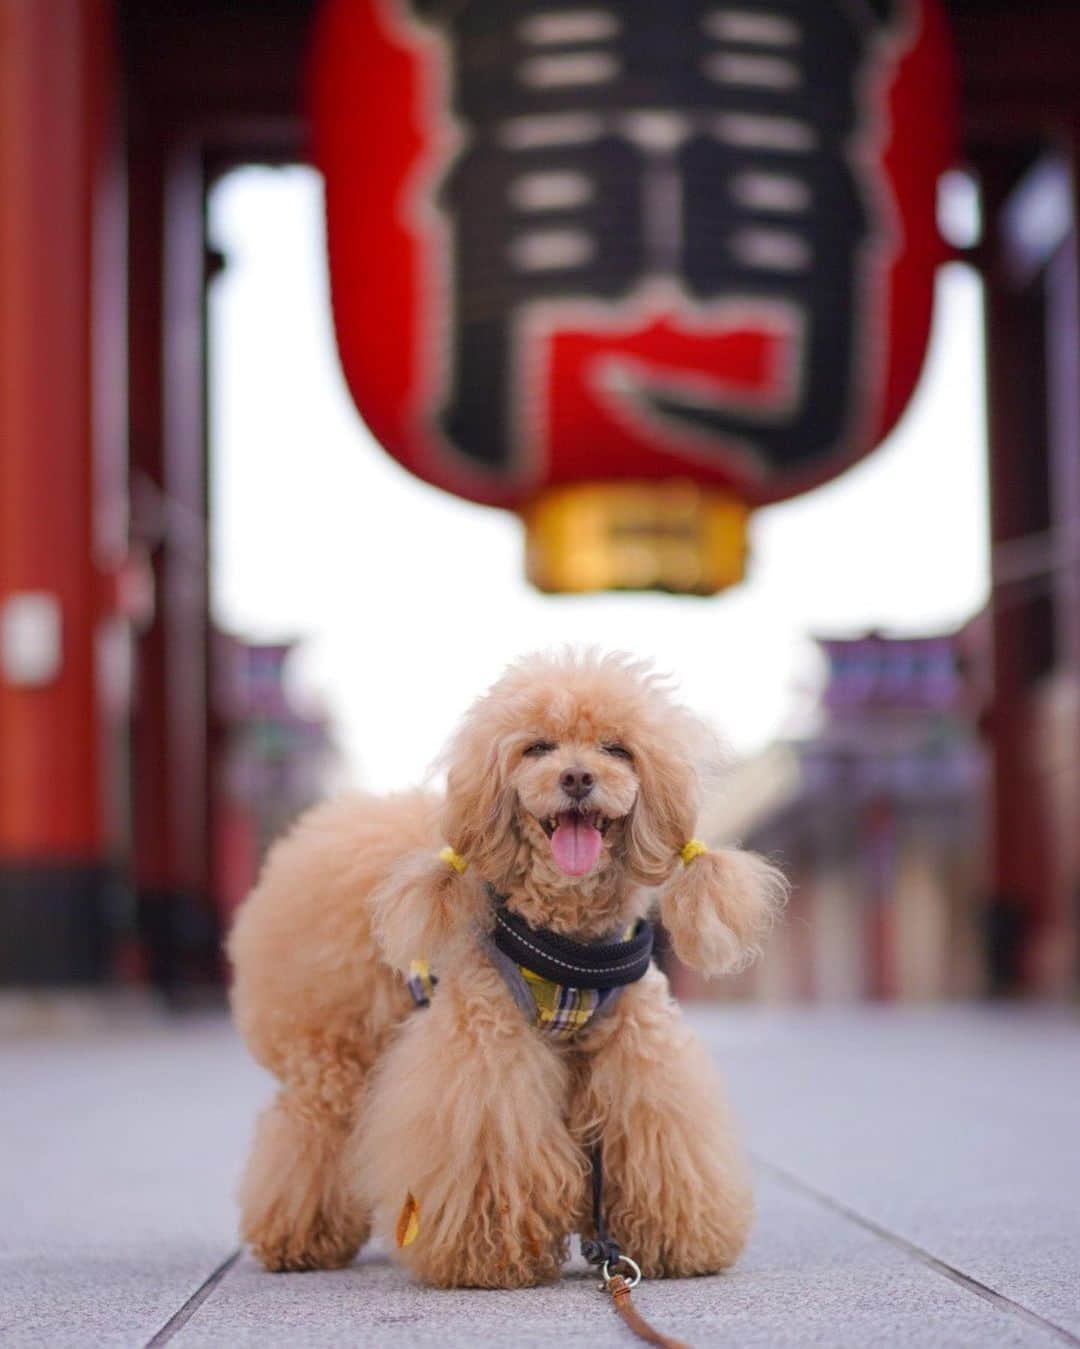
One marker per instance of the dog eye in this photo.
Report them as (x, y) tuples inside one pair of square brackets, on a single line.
[(618, 752), (539, 747)]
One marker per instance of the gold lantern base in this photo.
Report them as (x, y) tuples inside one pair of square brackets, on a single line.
[(672, 535)]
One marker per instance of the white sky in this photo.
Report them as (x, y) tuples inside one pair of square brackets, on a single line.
[(410, 601)]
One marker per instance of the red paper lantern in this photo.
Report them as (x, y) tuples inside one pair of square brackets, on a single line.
[(632, 268)]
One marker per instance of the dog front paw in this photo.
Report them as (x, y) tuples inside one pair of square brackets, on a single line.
[(497, 1244)]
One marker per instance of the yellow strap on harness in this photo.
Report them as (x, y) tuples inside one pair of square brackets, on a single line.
[(454, 859), (693, 849)]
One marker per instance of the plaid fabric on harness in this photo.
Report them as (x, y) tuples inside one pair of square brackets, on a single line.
[(555, 1009), (562, 1011)]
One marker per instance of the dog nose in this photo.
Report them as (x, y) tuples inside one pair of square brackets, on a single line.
[(576, 782)]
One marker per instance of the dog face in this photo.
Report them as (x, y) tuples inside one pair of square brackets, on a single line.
[(571, 776), (576, 788)]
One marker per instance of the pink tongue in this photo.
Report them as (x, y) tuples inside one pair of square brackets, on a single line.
[(576, 844)]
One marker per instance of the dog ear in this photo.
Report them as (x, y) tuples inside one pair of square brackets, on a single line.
[(422, 907), (478, 815), (665, 811), (720, 907)]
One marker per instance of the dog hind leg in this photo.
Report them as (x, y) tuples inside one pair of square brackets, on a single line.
[(296, 1210)]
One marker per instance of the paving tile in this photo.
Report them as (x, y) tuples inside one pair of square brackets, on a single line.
[(958, 1128), (118, 1154)]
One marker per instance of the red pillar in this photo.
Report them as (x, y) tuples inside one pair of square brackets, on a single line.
[(1021, 904), (171, 854), (58, 438)]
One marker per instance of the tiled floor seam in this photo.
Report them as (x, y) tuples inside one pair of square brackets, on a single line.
[(999, 1301), (205, 1290)]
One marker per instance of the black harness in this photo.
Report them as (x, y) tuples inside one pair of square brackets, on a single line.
[(611, 964)]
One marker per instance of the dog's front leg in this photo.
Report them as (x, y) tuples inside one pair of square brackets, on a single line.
[(462, 1150), (676, 1193)]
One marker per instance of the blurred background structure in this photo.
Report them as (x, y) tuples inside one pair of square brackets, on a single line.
[(930, 810), (881, 819)]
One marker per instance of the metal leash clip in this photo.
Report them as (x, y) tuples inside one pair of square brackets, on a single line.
[(622, 1260)]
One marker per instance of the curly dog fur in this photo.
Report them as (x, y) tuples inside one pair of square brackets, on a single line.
[(465, 1106)]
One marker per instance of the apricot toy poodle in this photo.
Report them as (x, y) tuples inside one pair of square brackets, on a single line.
[(456, 996)]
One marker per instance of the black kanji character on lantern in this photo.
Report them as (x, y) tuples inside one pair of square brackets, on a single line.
[(609, 142)]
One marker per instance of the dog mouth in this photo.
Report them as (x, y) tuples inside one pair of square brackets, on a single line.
[(594, 819), (577, 839)]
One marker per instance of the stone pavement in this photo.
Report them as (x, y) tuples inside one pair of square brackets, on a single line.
[(919, 1184)]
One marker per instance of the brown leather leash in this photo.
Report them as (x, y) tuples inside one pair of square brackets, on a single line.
[(604, 1251), (619, 1289)]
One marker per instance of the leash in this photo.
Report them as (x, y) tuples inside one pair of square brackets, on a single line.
[(604, 1252)]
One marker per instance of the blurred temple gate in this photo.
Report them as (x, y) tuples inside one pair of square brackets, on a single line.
[(115, 117), (878, 818)]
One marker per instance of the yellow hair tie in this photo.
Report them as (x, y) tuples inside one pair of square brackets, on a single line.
[(690, 850), (454, 859)]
